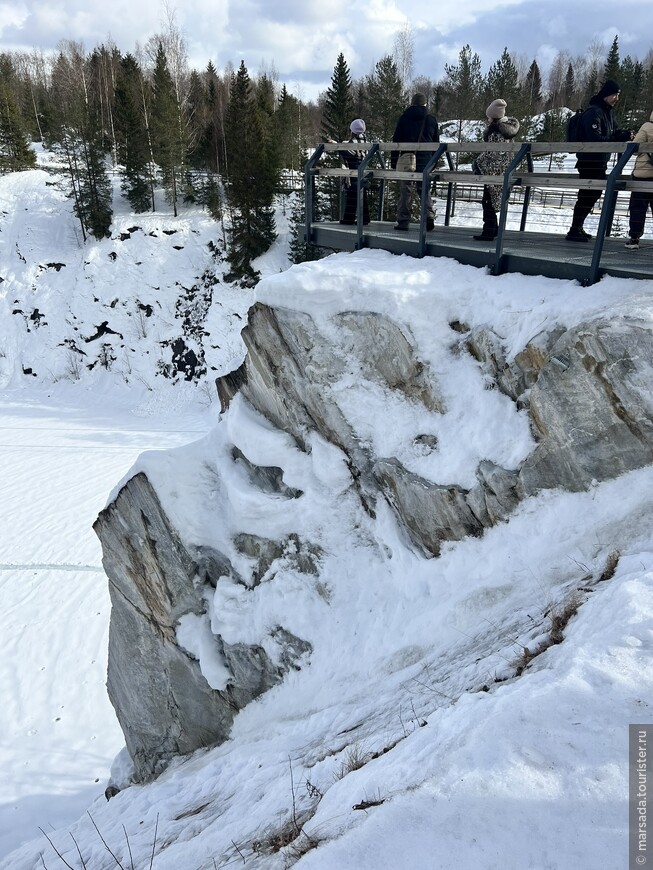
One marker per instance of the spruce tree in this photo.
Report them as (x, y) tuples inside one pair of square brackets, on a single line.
[(197, 111), (464, 86), (15, 152), (217, 96), (612, 66), (503, 83), (570, 88), (80, 137), (631, 111), (287, 121), (533, 89), (299, 251), (386, 99), (166, 124), (337, 113), (132, 145), (252, 178)]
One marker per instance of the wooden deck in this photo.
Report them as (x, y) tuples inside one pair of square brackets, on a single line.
[(529, 253)]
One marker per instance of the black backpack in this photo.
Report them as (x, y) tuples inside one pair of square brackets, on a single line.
[(573, 126)]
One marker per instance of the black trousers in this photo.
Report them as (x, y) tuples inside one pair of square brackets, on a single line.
[(490, 221), (586, 199), (351, 201), (640, 202)]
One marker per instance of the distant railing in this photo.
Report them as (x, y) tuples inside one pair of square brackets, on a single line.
[(520, 176)]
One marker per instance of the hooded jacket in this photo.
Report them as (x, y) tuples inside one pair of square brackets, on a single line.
[(598, 124), (643, 163), (408, 129)]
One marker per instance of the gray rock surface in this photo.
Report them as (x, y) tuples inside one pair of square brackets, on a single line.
[(590, 399), (163, 702), (430, 513), (592, 408)]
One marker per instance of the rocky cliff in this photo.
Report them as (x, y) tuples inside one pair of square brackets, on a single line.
[(584, 391)]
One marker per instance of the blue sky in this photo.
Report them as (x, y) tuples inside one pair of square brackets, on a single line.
[(301, 39)]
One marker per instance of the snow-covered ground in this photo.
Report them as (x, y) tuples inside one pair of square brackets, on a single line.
[(408, 742)]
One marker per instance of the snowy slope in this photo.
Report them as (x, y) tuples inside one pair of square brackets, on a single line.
[(410, 740)]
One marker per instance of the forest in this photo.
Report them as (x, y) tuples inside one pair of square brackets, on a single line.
[(232, 141)]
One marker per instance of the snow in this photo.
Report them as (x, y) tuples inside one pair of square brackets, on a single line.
[(408, 706)]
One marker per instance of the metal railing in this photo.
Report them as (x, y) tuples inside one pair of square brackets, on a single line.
[(520, 181)]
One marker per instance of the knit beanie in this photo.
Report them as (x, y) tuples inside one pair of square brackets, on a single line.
[(418, 100), (609, 88), (496, 110), (357, 126)]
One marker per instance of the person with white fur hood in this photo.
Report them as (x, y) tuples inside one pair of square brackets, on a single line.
[(352, 159), (641, 200), (499, 129)]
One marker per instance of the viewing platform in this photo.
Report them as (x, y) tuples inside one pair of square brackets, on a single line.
[(526, 249)]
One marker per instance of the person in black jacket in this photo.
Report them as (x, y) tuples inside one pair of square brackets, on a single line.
[(597, 124), (352, 158), (415, 125)]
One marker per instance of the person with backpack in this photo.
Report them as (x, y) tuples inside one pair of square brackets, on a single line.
[(641, 200), (596, 124), (499, 129), (352, 158), (415, 125)]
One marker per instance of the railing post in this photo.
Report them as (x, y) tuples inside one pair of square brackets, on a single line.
[(448, 208), (359, 194), (505, 195), (527, 195), (607, 211), (309, 192), (426, 183)]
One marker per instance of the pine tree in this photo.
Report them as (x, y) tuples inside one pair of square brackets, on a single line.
[(612, 66), (299, 251), (132, 148), (337, 113), (570, 88), (385, 94), (15, 152), (533, 89), (503, 83), (631, 111), (253, 178), (166, 124), (464, 87), (95, 192), (80, 137), (197, 114), (287, 121)]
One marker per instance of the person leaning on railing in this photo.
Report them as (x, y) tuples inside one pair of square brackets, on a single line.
[(415, 125), (641, 200), (352, 158), (597, 124)]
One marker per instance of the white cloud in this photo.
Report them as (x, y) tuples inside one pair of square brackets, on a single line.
[(12, 16), (302, 38)]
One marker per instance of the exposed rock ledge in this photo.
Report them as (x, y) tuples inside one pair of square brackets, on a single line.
[(588, 391), (164, 704)]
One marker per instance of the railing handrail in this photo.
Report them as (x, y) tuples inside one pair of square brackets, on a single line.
[(538, 149), (614, 182)]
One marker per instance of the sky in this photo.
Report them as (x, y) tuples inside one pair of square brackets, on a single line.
[(301, 39), (529, 774)]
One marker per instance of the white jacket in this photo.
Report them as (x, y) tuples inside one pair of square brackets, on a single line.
[(644, 162)]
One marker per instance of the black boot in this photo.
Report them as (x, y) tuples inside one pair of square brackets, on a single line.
[(577, 234)]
